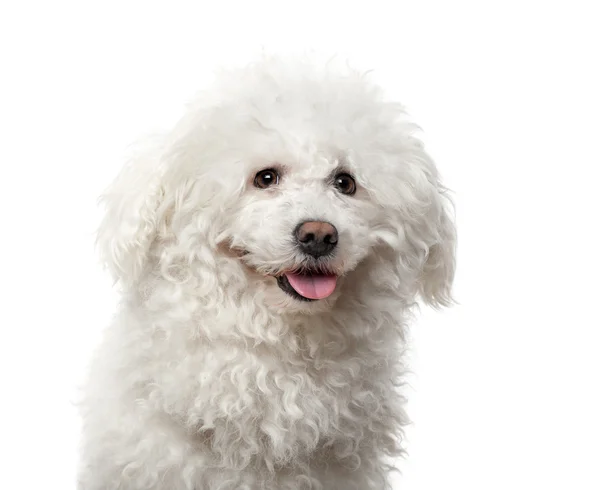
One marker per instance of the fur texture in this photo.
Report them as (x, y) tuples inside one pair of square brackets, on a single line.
[(211, 377)]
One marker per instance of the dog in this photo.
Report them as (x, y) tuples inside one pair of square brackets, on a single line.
[(269, 252)]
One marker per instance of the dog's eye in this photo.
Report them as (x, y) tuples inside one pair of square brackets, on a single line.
[(266, 178), (345, 183)]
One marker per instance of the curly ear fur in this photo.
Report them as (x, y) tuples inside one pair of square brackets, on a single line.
[(420, 236), (438, 271), (131, 219)]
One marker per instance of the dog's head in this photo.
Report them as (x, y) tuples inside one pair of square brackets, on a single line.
[(306, 178)]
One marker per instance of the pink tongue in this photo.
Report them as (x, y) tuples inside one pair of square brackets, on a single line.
[(315, 286)]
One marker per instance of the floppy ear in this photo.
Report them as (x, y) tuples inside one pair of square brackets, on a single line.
[(437, 275), (131, 217)]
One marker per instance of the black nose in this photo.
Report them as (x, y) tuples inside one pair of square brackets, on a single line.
[(316, 238)]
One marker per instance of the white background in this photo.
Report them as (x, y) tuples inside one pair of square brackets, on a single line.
[(505, 391)]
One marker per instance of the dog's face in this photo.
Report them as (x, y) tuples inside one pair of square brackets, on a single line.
[(303, 224), (301, 179)]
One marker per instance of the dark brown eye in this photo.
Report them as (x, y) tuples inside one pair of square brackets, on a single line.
[(345, 184), (266, 178)]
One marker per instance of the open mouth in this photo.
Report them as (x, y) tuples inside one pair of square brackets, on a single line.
[(306, 285)]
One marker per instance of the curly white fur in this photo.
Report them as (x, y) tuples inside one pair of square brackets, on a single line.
[(211, 377)]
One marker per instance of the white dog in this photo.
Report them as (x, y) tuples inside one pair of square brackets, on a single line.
[(269, 251)]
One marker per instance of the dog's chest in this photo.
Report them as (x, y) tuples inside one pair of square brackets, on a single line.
[(276, 405)]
